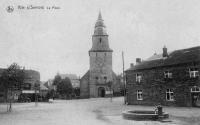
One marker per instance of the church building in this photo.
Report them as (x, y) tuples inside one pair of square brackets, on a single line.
[(99, 79)]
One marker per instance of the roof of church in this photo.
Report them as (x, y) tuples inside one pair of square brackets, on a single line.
[(99, 22), (100, 28), (189, 55), (86, 75), (100, 44)]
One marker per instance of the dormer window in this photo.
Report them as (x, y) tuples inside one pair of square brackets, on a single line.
[(138, 78), (193, 72), (167, 74)]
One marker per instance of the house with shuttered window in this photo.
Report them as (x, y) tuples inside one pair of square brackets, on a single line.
[(170, 78)]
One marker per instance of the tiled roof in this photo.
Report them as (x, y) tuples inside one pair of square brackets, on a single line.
[(100, 34), (86, 75), (156, 56), (182, 56)]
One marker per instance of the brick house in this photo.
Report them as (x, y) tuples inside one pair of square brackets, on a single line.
[(168, 78)]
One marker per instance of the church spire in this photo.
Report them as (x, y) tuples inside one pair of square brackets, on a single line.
[(100, 28), (100, 36), (100, 17)]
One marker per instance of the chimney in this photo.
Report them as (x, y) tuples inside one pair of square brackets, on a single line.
[(131, 65), (165, 54), (138, 61)]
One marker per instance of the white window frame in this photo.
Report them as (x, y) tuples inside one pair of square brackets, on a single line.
[(171, 95), (193, 72), (139, 95), (138, 77), (195, 89), (168, 74)]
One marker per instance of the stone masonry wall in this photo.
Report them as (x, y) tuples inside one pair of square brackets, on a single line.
[(100, 68), (154, 85), (84, 86)]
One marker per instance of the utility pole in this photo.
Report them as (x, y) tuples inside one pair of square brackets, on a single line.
[(124, 78), (36, 99), (111, 92)]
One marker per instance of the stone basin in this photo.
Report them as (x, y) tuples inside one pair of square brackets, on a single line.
[(143, 115)]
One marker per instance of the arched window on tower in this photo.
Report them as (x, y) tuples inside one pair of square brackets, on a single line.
[(100, 39)]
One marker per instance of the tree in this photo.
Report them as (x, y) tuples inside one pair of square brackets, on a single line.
[(11, 79), (57, 80), (64, 88), (53, 92)]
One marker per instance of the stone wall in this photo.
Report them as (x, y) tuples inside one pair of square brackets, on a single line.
[(154, 85), (100, 71), (84, 86)]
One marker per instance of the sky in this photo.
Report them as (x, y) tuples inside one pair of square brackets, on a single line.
[(58, 40)]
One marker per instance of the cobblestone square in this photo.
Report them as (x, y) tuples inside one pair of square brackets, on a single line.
[(96, 111)]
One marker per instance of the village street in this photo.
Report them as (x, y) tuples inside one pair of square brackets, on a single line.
[(98, 111)]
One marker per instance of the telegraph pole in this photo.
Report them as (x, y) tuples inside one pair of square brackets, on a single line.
[(124, 78), (36, 98)]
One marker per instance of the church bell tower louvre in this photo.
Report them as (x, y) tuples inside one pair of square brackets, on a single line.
[(100, 55)]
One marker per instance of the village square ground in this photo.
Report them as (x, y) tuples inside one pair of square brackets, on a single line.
[(96, 111)]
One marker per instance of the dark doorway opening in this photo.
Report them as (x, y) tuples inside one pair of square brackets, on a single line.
[(101, 92), (195, 99)]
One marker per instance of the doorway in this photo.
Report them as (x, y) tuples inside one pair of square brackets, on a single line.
[(101, 92)]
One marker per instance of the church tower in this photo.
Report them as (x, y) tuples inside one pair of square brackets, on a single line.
[(100, 61), (97, 81)]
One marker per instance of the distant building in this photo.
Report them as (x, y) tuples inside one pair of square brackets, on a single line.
[(32, 78), (75, 80), (98, 79), (43, 89), (168, 78), (49, 83), (119, 86)]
